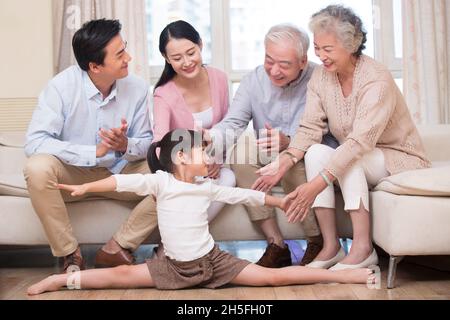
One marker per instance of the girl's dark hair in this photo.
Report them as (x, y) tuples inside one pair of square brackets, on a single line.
[(176, 30), (177, 140), (90, 41)]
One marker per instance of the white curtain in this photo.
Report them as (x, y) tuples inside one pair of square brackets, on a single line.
[(69, 16), (426, 63)]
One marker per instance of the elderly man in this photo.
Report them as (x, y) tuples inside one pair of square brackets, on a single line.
[(273, 96), (92, 121)]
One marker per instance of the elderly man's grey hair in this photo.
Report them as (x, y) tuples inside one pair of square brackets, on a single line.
[(289, 32), (342, 21)]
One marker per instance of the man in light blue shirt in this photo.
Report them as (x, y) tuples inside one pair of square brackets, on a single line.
[(92, 120), (273, 97)]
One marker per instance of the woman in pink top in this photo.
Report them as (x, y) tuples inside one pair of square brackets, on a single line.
[(190, 95)]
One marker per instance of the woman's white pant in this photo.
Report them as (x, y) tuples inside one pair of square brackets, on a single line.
[(368, 171), (226, 179)]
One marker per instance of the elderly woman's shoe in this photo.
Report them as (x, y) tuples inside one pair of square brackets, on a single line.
[(328, 263), (372, 260)]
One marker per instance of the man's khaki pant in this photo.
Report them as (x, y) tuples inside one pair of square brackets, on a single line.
[(246, 159), (49, 203)]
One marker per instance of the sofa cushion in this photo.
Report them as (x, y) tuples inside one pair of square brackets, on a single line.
[(427, 182), (13, 185), (12, 139), (411, 225), (436, 141), (12, 160)]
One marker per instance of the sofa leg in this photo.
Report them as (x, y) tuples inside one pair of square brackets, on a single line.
[(393, 262)]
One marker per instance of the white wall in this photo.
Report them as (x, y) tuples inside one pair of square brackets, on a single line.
[(26, 58), (27, 47)]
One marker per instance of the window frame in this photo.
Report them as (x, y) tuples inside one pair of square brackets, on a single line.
[(222, 51), (384, 41)]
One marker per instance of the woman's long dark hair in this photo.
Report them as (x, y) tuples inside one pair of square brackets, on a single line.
[(176, 30), (176, 140)]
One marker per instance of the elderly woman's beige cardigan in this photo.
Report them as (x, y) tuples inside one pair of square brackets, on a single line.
[(374, 115)]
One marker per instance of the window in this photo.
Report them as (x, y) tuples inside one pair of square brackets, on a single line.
[(233, 30), (389, 34), (162, 12), (398, 28), (250, 21)]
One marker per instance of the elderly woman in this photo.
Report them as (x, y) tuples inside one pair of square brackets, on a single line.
[(356, 99)]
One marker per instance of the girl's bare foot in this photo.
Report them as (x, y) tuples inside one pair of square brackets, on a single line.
[(51, 283), (364, 276)]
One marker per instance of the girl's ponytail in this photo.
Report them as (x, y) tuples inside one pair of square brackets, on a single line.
[(152, 158), (177, 140)]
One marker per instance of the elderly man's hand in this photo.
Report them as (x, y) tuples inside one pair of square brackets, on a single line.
[(273, 140), (270, 175), (266, 183)]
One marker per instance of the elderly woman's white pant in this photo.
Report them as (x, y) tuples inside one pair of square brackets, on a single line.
[(226, 179), (368, 171)]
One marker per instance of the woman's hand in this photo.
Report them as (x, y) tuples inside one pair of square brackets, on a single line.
[(301, 202), (285, 203), (75, 190), (214, 171), (206, 136)]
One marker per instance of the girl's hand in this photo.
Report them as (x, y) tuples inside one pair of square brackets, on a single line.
[(302, 200), (214, 171), (75, 190)]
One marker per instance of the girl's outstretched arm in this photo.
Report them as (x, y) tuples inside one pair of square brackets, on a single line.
[(104, 185)]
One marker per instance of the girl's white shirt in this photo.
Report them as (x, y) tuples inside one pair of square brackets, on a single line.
[(182, 209)]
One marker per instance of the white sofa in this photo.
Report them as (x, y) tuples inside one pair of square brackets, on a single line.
[(411, 210), (404, 222)]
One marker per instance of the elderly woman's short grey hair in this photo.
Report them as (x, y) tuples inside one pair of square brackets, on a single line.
[(342, 21), (289, 32)]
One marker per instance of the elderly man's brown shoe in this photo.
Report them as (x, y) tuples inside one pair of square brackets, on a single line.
[(275, 257), (73, 262), (104, 259)]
